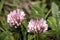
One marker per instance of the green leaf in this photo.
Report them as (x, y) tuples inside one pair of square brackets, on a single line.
[(30, 37), (1, 5), (36, 12), (2, 35), (7, 38), (6, 35), (55, 8), (52, 23), (55, 13)]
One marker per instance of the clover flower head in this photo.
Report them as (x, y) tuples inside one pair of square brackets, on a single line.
[(38, 25), (15, 17)]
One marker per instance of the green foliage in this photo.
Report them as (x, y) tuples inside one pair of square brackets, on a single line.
[(39, 10), (1, 5), (5, 33), (52, 23), (55, 10)]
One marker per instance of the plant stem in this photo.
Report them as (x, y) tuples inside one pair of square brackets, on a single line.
[(47, 13), (36, 36)]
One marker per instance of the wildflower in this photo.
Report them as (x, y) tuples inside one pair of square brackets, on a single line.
[(37, 26), (15, 17)]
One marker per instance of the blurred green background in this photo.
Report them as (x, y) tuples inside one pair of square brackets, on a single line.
[(47, 9)]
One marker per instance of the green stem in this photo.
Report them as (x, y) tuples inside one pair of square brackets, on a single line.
[(47, 13), (21, 33), (36, 36)]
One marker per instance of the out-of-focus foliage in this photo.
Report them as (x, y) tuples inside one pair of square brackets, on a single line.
[(47, 9), (52, 23)]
